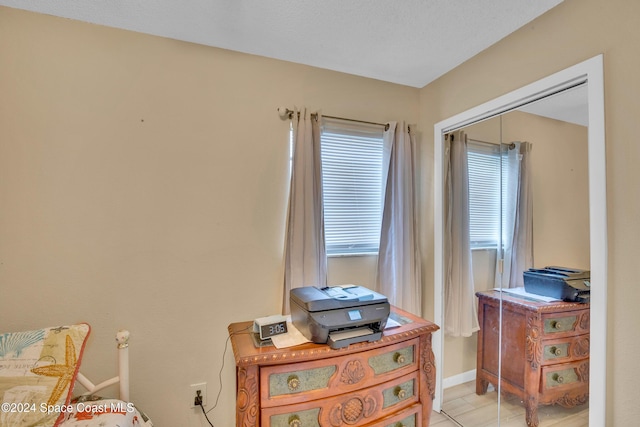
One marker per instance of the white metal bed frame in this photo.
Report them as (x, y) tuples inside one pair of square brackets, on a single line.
[(122, 338)]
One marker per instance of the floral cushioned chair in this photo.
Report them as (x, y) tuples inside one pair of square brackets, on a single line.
[(38, 370)]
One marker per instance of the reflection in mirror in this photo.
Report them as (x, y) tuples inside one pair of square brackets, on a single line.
[(460, 352), (553, 133)]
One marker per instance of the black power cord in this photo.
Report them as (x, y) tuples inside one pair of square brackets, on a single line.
[(224, 352), (204, 413)]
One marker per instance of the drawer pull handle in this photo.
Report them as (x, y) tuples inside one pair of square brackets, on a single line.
[(555, 324), (556, 351), (399, 358), (294, 421), (399, 425), (293, 382), (558, 378), (400, 393)]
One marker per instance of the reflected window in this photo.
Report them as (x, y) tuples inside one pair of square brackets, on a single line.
[(484, 194)]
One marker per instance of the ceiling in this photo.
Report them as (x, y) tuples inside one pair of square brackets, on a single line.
[(408, 42), (570, 105)]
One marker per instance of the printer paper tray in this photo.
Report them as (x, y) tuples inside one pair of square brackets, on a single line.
[(341, 339)]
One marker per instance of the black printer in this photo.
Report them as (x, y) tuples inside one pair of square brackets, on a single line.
[(567, 284), (339, 315)]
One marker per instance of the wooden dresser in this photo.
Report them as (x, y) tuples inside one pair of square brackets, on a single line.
[(545, 350), (386, 383)]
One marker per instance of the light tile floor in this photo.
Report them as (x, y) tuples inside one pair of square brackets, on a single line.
[(462, 404)]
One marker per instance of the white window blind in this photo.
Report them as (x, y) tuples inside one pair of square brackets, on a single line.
[(484, 194), (352, 186)]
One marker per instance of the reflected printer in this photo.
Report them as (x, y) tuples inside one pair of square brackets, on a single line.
[(339, 315), (567, 284)]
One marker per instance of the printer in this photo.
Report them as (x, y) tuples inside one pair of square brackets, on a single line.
[(339, 315), (567, 284)]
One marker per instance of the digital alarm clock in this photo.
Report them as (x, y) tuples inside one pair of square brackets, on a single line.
[(269, 326)]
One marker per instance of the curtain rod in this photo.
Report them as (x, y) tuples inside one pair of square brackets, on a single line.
[(285, 112), (385, 125), (510, 145)]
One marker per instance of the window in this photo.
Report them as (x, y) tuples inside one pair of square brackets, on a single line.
[(484, 194), (352, 185)]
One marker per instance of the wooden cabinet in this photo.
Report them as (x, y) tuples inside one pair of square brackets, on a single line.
[(386, 383), (545, 350)]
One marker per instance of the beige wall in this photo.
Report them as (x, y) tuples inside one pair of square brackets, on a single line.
[(560, 185), (143, 184), (570, 33)]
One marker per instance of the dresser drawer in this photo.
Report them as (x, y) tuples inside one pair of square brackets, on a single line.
[(565, 350), (358, 408), (565, 323), (409, 417), (564, 376), (300, 382)]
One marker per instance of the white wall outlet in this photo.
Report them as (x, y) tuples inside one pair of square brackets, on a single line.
[(194, 392)]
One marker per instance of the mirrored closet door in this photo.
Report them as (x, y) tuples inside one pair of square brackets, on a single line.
[(528, 202)]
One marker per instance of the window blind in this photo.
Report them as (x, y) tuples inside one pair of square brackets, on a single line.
[(484, 194), (352, 186)]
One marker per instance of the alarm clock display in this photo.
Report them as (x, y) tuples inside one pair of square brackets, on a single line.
[(270, 326)]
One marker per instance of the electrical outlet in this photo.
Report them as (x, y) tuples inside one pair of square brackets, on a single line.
[(202, 387)]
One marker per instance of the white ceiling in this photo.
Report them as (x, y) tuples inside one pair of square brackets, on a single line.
[(409, 42)]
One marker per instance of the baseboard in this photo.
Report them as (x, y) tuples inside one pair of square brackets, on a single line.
[(459, 379)]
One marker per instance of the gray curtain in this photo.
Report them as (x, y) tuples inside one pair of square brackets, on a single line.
[(460, 313), (517, 251), (399, 276), (305, 254)]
